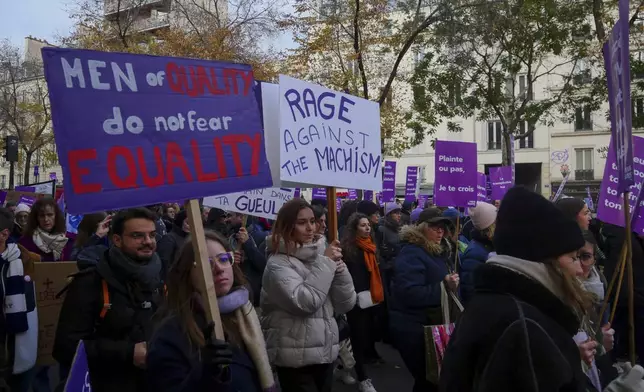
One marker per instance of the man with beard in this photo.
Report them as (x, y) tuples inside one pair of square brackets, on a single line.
[(110, 307)]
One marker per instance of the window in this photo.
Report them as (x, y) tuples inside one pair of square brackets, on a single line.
[(528, 141), (584, 164), (581, 73), (638, 112), (19, 179), (523, 87), (494, 135), (3, 181), (583, 119), (455, 94)]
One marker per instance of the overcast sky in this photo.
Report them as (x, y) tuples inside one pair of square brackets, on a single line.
[(44, 19)]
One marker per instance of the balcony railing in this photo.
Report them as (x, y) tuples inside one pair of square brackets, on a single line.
[(114, 6), (156, 21), (584, 175)]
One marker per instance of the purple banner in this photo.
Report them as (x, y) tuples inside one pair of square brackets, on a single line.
[(501, 181), (589, 201), (3, 197), (455, 176), (134, 130), (609, 205), (618, 77), (368, 195), (481, 190), (27, 200), (422, 200), (297, 193), (411, 183), (512, 160), (338, 204), (26, 188), (78, 379), (319, 193), (353, 194), (388, 182)]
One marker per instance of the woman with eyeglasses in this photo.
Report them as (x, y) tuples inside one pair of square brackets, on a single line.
[(183, 354), (304, 285)]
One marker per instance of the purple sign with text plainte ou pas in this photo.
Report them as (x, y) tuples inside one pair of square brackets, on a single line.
[(129, 135), (388, 182), (411, 183), (319, 193), (618, 80), (609, 204), (353, 194), (481, 189), (455, 175), (501, 181)]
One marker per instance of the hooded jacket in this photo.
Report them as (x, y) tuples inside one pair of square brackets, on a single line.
[(300, 294)]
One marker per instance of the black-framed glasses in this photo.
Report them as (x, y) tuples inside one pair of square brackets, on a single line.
[(224, 259)]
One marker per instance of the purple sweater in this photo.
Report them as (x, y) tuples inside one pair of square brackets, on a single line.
[(28, 243)]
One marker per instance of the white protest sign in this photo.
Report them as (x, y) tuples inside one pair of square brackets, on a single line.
[(327, 138), (264, 203)]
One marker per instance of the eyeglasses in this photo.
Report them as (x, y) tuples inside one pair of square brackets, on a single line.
[(587, 258), (139, 237), (224, 259), (437, 228)]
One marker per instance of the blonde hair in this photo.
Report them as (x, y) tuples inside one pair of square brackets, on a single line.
[(574, 294)]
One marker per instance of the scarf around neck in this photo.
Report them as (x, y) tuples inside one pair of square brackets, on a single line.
[(594, 284), (375, 282), (536, 271), (125, 269), (50, 243)]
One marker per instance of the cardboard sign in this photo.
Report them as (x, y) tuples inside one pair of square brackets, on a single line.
[(327, 137), (134, 130), (49, 278), (264, 203)]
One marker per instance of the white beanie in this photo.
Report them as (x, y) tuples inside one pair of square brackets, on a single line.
[(483, 215), (22, 207)]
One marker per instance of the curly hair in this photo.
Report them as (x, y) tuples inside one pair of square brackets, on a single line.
[(349, 235)]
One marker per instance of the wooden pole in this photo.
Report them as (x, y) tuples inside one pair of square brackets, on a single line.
[(620, 267), (332, 215), (203, 270), (458, 230), (629, 262)]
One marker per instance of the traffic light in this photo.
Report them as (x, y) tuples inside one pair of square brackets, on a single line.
[(11, 148)]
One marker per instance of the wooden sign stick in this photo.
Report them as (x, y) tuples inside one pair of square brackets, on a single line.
[(332, 214), (203, 271)]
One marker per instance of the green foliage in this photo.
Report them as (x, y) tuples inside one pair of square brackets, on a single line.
[(487, 61)]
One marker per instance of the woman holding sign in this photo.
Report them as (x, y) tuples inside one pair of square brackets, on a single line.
[(184, 356), (303, 286)]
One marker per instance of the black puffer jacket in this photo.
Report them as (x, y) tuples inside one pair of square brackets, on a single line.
[(515, 335)]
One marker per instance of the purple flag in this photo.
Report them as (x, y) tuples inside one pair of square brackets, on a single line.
[(589, 201), (3, 197), (128, 135), (389, 182), (319, 193), (481, 190), (422, 200), (609, 205), (455, 176), (501, 181), (411, 183), (618, 77), (297, 193), (368, 195), (52, 175), (353, 194)]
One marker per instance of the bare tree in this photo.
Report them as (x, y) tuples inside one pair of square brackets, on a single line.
[(24, 105)]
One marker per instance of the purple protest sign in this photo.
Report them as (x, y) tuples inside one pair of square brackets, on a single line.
[(411, 183), (52, 175), (319, 193), (27, 200), (353, 194), (338, 204), (618, 78), (609, 204), (368, 195), (512, 157), (455, 176), (78, 379), (25, 188), (501, 181), (297, 193), (481, 190), (128, 137), (388, 193), (589, 202), (422, 200)]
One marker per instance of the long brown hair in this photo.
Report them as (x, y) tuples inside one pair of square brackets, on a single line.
[(284, 225), (184, 298), (349, 235), (87, 227), (39, 205)]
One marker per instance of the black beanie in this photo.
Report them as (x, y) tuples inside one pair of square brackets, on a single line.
[(368, 207), (532, 228)]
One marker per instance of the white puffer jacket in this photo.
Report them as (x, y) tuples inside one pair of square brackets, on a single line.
[(300, 294)]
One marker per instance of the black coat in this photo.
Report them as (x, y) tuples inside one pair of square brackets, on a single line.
[(109, 342), (168, 248), (175, 366), (515, 335), (388, 240), (361, 276), (613, 240)]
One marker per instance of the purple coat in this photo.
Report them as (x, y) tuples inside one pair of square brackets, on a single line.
[(28, 243)]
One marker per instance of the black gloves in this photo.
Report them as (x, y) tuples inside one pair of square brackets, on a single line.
[(216, 354)]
